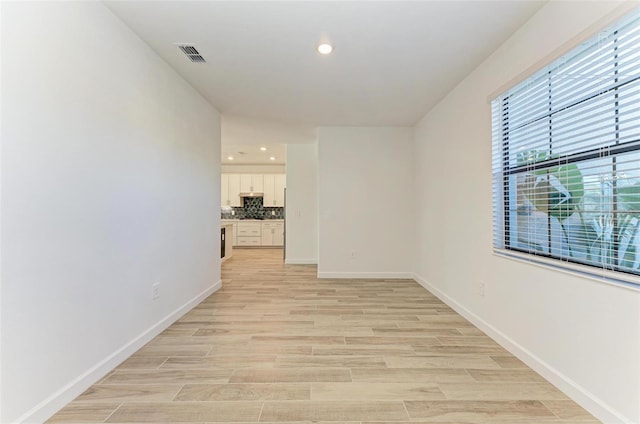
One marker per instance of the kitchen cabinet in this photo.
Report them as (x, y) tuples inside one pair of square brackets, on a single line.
[(249, 241), (224, 190), (274, 185), (251, 183), (249, 234), (234, 224), (234, 240), (273, 233), (230, 190)]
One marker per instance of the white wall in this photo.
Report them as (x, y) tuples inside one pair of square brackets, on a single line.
[(365, 202), (302, 204), (581, 334), (110, 182)]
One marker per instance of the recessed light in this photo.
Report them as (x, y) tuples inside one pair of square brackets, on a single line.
[(272, 158), (264, 149), (325, 48), (230, 157)]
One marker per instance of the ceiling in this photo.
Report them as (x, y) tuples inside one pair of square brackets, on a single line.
[(242, 138), (392, 60), (252, 155)]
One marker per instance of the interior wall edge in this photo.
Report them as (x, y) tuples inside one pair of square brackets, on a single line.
[(579, 394), (45, 409)]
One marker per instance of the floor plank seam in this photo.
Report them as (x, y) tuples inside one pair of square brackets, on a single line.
[(113, 412), (406, 411), (260, 414)]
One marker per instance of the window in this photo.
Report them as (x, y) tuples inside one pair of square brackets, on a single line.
[(566, 157)]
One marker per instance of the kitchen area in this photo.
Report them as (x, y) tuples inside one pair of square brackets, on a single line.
[(252, 211)]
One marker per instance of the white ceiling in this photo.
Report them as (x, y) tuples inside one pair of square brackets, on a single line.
[(393, 60), (242, 138), (250, 154)]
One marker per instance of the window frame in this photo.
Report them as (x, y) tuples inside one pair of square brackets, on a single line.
[(501, 139)]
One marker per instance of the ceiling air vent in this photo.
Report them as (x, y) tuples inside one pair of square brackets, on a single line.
[(192, 53)]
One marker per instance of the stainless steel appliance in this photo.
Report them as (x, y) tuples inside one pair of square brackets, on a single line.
[(222, 241)]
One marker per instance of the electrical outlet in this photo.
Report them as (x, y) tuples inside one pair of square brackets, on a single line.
[(233, 212), (155, 291), (481, 287), (273, 213)]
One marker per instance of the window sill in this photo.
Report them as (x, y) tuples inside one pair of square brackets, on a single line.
[(611, 278)]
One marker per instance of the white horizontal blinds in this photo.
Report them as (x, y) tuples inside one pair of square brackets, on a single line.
[(566, 156), (498, 176)]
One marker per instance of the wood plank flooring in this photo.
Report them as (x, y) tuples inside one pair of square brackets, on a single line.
[(277, 345)]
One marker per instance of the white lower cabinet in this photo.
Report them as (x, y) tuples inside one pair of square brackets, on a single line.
[(249, 241), (235, 234), (272, 234), (233, 240), (266, 233), (249, 234)]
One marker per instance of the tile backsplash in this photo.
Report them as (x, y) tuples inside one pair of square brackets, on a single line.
[(253, 209)]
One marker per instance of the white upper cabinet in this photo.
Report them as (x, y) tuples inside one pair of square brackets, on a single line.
[(230, 190), (274, 185), (224, 190), (269, 191), (281, 184), (234, 190), (251, 183)]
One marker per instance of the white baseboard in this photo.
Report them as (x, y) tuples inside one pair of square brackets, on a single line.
[(372, 275), (301, 261), (45, 409), (583, 397)]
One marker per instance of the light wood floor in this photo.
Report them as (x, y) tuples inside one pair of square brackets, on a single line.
[(277, 345)]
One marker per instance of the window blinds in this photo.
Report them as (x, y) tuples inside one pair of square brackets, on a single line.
[(566, 156)]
